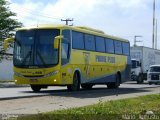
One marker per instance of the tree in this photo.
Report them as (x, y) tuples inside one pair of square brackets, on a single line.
[(7, 23)]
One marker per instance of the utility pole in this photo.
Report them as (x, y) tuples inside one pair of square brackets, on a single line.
[(67, 20), (135, 39), (156, 34), (153, 34)]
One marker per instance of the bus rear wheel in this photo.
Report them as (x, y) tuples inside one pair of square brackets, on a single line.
[(36, 88), (115, 84), (76, 83), (86, 86)]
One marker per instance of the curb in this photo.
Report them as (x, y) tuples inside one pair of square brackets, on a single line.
[(11, 85), (20, 97)]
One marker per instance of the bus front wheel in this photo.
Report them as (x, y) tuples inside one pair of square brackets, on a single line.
[(75, 86), (36, 88)]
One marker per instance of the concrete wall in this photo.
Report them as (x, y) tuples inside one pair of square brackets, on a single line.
[(6, 70)]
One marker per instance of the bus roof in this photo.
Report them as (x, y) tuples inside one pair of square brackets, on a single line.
[(76, 28)]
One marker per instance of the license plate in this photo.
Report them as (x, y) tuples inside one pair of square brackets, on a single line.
[(33, 80)]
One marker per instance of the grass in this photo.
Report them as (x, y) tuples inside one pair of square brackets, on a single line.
[(130, 108)]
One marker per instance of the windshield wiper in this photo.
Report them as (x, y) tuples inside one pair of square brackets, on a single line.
[(24, 60)]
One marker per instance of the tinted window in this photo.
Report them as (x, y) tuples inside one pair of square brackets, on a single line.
[(78, 42), (66, 35), (65, 53), (35, 47), (109, 46), (126, 48), (89, 42), (118, 47), (155, 69), (100, 44), (65, 47)]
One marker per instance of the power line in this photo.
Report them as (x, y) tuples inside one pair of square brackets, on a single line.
[(34, 12), (40, 14), (33, 17), (37, 14)]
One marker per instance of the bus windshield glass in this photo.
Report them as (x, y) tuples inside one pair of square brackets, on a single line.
[(34, 48)]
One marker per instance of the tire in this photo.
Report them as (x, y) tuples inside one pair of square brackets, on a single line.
[(110, 85), (116, 84), (86, 86), (140, 79), (36, 88), (76, 83)]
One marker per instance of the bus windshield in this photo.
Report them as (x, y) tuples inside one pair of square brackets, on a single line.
[(34, 48)]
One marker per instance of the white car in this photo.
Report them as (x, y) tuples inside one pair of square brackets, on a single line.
[(153, 75)]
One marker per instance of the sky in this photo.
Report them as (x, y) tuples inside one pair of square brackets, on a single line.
[(122, 18)]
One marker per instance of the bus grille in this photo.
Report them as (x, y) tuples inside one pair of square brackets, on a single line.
[(33, 76)]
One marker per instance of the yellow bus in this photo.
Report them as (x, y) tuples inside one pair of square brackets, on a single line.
[(72, 56)]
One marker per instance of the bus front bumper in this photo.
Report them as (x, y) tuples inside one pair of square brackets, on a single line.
[(52, 80)]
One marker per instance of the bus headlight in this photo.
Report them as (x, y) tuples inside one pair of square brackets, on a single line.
[(51, 74)]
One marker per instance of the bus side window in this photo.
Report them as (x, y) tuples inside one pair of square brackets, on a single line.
[(109, 46), (118, 47), (89, 42), (65, 53), (65, 47)]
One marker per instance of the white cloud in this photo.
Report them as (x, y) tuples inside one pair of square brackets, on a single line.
[(124, 18)]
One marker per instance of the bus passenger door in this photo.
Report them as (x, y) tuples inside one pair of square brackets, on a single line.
[(66, 75), (87, 65)]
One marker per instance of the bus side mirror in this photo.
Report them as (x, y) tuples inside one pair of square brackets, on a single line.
[(6, 42), (56, 41)]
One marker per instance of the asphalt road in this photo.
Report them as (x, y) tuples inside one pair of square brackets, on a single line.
[(23, 100)]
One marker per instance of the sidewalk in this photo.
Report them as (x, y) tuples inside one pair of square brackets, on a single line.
[(10, 85)]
